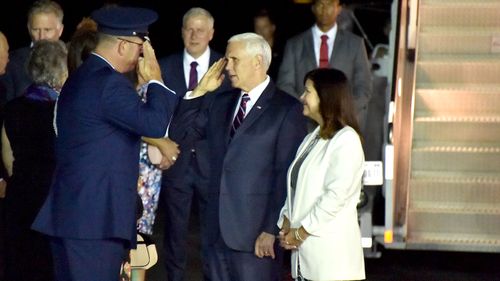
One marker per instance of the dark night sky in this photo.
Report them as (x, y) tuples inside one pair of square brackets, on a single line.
[(231, 17)]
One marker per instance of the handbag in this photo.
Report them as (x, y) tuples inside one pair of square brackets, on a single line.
[(154, 155), (145, 255)]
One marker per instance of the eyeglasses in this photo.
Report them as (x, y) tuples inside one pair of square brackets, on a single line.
[(138, 44)]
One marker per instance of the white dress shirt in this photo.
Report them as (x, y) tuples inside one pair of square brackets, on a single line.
[(202, 68)]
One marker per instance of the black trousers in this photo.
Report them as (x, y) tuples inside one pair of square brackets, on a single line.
[(226, 264), (178, 197)]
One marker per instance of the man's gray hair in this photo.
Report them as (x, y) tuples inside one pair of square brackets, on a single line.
[(48, 63), (254, 45), (46, 7), (197, 11)]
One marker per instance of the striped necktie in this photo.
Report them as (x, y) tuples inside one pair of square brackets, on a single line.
[(238, 119)]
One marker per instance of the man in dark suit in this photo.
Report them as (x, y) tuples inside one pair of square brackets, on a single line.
[(187, 179), (45, 22), (345, 51), (89, 213), (253, 133)]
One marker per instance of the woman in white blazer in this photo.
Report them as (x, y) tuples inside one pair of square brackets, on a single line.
[(319, 221)]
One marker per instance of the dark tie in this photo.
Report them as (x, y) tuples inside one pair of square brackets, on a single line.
[(238, 119), (193, 76), (323, 52)]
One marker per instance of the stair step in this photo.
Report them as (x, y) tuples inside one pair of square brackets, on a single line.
[(455, 2), (456, 149), (460, 87), (452, 195), (455, 187), (467, 241), (460, 40), (455, 207), (458, 30), (458, 69), (458, 129), (450, 176), (493, 58), (434, 102), (456, 159), (461, 13), (463, 224), (427, 205), (459, 119)]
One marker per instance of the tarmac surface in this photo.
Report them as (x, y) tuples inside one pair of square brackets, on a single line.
[(393, 265)]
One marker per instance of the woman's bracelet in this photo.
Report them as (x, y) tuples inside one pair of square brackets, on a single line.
[(297, 235)]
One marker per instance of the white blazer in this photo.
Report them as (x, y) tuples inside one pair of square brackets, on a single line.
[(327, 192)]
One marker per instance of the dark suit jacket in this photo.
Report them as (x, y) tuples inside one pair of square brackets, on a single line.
[(248, 173), (100, 121), (173, 75), (348, 55), (16, 78)]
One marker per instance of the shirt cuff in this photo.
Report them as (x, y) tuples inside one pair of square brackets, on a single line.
[(161, 84), (189, 95)]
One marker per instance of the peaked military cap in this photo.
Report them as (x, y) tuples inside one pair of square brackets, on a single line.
[(124, 21)]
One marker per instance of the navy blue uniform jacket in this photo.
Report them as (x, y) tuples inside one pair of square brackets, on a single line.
[(100, 121)]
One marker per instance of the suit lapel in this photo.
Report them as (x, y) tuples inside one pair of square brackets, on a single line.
[(308, 54), (178, 76), (213, 57), (230, 103), (337, 48)]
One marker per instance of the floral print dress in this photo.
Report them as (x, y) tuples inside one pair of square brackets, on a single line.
[(149, 186)]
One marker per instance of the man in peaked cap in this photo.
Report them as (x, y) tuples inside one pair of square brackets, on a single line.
[(90, 211)]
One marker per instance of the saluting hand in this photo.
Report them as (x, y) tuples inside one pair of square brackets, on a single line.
[(212, 79), (148, 68)]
